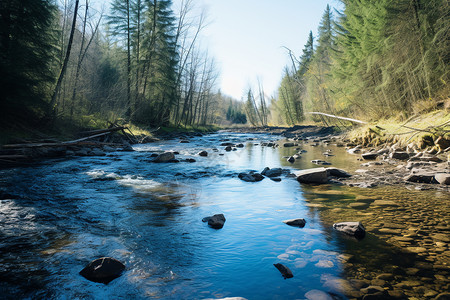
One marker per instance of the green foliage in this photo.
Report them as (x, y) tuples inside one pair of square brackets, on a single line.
[(378, 59), (27, 46), (235, 114)]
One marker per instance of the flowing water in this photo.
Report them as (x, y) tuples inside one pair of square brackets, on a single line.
[(58, 216)]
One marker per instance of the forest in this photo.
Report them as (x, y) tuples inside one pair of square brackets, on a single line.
[(141, 61)]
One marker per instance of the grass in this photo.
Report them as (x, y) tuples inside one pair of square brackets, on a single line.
[(413, 130)]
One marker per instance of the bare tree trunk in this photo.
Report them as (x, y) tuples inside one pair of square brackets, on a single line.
[(128, 111), (77, 74), (64, 66)]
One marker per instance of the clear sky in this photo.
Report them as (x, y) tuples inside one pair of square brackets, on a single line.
[(246, 37)]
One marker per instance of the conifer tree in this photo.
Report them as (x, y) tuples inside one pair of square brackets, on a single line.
[(27, 45)]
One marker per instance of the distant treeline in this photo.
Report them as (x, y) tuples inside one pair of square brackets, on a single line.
[(374, 59), (141, 61)]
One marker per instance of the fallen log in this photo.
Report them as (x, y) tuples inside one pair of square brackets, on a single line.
[(73, 142), (97, 131), (338, 117)]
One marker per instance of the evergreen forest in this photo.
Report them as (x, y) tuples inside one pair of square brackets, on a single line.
[(141, 61)]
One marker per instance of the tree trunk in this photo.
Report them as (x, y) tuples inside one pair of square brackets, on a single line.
[(64, 66)]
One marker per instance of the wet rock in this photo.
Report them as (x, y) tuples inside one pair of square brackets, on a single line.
[(276, 179), (422, 177), (275, 172), (320, 162), (228, 148), (190, 160), (285, 271), (295, 222), (250, 177), (217, 221), (291, 159), (203, 153), (372, 289), (240, 145), (127, 148), (184, 142), (103, 270), (317, 295), (442, 178), (400, 155), (227, 144), (315, 175), (369, 155), (288, 145), (355, 229), (164, 157), (335, 172)]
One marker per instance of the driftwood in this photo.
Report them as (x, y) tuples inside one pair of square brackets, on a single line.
[(337, 117)]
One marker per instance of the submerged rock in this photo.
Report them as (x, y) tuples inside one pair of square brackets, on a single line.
[(355, 229), (217, 221), (103, 270), (285, 271), (295, 222), (320, 162), (315, 175), (250, 177), (164, 157)]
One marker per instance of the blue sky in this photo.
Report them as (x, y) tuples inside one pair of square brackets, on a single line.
[(246, 37)]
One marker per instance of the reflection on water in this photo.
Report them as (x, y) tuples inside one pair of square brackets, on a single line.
[(66, 213)]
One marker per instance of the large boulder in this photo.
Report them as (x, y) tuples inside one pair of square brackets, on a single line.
[(315, 175), (217, 221), (295, 222), (103, 270), (285, 271), (355, 229), (164, 157)]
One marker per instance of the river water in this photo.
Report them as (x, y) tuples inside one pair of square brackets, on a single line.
[(57, 216)]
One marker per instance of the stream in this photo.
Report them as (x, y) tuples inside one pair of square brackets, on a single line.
[(57, 216)]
